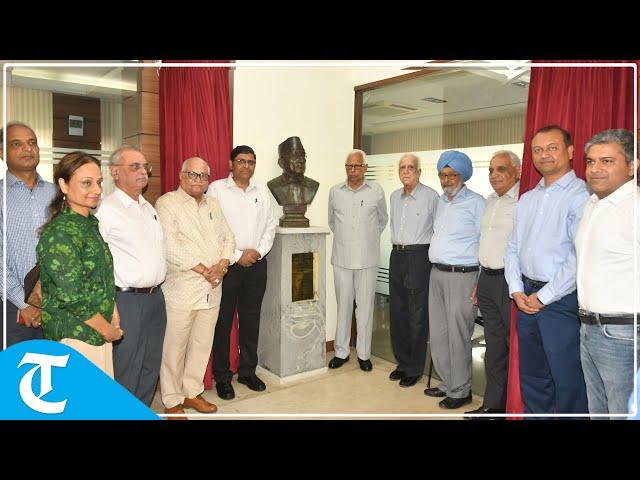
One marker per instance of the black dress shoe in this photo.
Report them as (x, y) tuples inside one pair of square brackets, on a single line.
[(337, 362), (434, 392), (225, 390), (365, 365), (409, 381), (485, 411), (451, 403), (397, 374), (253, 382)]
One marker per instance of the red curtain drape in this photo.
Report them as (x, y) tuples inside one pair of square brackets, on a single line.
[(195, 121), (583, 101)]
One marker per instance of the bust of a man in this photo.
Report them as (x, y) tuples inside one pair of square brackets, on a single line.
[(292, 189)]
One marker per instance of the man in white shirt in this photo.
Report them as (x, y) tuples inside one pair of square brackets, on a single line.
[(246, 205), (129, 224), (607, 289), (357, 217), (492, 292)]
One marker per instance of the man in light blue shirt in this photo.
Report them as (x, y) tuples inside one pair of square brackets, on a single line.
[(454, 255), (357, 217), (28, 199), (412, 210), (540, 268)]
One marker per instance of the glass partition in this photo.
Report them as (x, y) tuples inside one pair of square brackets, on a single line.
[(477, 111)]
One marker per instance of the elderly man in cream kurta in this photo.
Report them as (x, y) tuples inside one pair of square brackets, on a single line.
[(200, 247)]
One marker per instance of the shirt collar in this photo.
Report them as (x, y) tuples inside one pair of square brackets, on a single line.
[(512, 192), (618, 195), (231, 183), (126, 200), (346, 185), (418, 187), (76, 217), (562, 182), (184, 197), (461, 194), (12, 179)]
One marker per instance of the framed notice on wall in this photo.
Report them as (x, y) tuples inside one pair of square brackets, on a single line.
[(76, 125)]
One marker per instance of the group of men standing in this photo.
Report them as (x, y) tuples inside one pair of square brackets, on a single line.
[(454, 250), (449, 252)]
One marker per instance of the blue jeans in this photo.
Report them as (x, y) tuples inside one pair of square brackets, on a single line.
[(606, 353)]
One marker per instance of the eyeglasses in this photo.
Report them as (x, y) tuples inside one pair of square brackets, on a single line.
[(553, 148), (245, 163), (446, 176), (134, 167), (203, 177), (356, 166)]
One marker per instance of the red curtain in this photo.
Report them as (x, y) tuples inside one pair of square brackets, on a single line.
[(195, 121), (583, 101)]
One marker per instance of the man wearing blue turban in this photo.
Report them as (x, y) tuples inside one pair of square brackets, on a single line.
[(454, 255)]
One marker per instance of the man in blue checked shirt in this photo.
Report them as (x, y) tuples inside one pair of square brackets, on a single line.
[(454, 255), (540, 268), (28, 199)]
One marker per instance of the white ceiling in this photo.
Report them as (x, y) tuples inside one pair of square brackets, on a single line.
[(114, 83), (470, 94)]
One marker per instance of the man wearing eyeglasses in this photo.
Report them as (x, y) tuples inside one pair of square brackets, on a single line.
[(454, 254), (357, 217), (246, 205), (200, 248), (129, 224), (540, 268), (412, 212)]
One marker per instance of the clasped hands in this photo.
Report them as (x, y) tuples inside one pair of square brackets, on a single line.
[(213, 274), (528, 303)]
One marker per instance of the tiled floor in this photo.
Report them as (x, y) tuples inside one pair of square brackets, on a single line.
[(346, 392)]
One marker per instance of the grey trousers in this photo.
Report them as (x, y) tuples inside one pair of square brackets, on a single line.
[(451, 323), (137, 357), (361, 286)]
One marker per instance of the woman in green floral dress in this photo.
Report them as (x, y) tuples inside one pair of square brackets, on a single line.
[(76, 267)]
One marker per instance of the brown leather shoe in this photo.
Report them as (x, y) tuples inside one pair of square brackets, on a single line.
[(200, 404), (177, 409)]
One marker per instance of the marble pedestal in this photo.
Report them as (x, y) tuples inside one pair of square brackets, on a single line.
[(292, 342)]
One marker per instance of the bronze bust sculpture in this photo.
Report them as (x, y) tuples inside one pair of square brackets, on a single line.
[(292, 189)]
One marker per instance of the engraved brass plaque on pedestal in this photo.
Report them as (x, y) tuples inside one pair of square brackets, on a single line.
[(303, 276)]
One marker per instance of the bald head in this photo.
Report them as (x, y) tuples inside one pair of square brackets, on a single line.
[(194, 177)]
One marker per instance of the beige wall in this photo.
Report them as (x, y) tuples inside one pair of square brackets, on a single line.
[(315, 104)]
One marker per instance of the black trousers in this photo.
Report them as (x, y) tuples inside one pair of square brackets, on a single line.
[(15, 331), (409, 272), (495, 306), (137, 356), (244, 287)]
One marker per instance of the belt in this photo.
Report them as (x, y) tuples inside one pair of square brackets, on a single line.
[(411, 247), (491, 271), (137, 290), (533, 283), (591, 318), (457, 268)]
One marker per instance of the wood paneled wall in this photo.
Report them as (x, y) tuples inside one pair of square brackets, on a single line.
[(89, 109)]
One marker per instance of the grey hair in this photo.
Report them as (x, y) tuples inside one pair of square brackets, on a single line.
[(11, 125), (622, 137), (406, 155), (116, 157), (359, 152), (515, 159), (183, 168)]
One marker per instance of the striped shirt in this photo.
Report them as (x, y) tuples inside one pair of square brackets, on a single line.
[(27, 211)]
